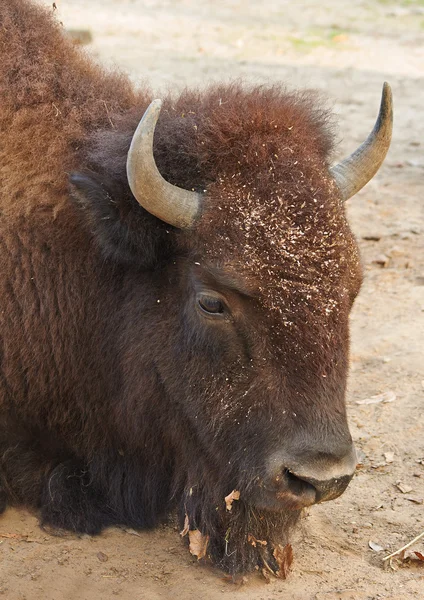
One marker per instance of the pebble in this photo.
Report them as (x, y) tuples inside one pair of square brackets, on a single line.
[(381, 260)]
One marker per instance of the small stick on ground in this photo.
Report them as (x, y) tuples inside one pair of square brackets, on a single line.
[(404, 547)]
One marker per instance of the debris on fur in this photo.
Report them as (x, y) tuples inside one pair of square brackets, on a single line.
[(198, 543), (281, 561), (272, 560), (234, 495), (252, 540), (284, 558), (186, 527)]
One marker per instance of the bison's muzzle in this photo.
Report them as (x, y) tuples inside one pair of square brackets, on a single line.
[(296, 481)]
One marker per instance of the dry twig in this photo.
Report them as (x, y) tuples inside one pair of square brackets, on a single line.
[(405, 547)]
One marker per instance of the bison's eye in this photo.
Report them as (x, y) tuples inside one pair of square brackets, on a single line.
[(210, 304)]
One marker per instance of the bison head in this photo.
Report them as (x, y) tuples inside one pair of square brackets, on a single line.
[(251, 307)]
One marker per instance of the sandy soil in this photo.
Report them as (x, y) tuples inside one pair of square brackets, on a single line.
[(347, 49)]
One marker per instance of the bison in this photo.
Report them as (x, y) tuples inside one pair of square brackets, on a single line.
[(176, 281)]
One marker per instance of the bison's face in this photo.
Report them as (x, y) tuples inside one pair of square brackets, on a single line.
[(262, 346), (267, 273), (251, 333)]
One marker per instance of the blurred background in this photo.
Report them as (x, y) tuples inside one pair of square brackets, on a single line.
[(187, 42), (345, 48)]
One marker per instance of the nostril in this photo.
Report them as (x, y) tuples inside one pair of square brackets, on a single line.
[(323, 489), (298, 486)]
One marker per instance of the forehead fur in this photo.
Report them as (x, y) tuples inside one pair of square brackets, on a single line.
[(234, 128), (272, 213), (287, 236)]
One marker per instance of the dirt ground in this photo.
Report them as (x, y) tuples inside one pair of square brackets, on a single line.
[(346, 49)]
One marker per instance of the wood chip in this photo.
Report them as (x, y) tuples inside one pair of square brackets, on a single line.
[(132, 532), (284, 558), (415, 500), (403, 487), (186, 527), (389, 456), (385, 398), (198, 543), (405, 547), (15, 536), (411, 556), (234, 495), (255, 542), (375, 547)]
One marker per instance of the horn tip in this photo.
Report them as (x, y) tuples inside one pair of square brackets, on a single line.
[(153, 109), (386, 108), (387, 90)]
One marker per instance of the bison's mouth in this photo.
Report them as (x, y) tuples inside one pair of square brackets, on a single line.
[(288, 493), (291, 492)]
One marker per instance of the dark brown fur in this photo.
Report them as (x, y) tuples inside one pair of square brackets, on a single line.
[(117, 403)]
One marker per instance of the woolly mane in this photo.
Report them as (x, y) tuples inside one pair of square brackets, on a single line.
[(56, 94), (51, 95)]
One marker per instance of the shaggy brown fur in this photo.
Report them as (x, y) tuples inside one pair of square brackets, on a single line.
[(118, 399)]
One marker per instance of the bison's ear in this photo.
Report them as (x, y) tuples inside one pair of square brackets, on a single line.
[(85, 188), (123, 231)]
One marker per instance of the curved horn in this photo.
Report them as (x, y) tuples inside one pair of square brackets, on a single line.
[(355, 171), (168, 202)]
